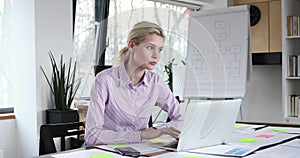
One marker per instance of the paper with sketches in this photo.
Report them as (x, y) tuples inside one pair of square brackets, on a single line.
[(227, 150), (290, 149)]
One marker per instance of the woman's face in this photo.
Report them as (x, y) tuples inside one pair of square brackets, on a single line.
[(147, 53)]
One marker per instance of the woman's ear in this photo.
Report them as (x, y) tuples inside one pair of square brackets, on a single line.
[(130, 44)]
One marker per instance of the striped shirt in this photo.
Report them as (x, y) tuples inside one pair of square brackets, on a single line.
[(119, 110)]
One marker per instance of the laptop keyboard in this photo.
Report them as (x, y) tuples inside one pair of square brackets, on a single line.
[(172, 145)]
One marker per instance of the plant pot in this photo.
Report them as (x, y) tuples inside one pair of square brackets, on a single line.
[(56, 116)]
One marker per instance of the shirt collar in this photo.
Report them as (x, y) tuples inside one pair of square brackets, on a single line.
[(123, 76), (125, 80)]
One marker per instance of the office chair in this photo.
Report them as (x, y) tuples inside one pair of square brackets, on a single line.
[(150, 123), (99, 68), (62, 130)]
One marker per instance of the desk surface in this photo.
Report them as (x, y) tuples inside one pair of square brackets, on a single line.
[(82, 149), (92, 152)]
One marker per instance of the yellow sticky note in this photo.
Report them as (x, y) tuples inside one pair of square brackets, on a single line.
[(280, 130), (119, 145), (157, 140), (248, 140), (102, 156), (238, 126)]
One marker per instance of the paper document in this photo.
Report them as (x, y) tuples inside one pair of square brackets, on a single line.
[(244, 143), (290, 149), (260, 138), (91, 153), (226, 150), (144, 147), (246, 128), (184, 155), (279, 130)]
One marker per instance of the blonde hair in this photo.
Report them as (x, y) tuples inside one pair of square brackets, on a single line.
[(137, 35)]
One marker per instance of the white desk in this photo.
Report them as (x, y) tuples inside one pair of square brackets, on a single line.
[(287, 149)]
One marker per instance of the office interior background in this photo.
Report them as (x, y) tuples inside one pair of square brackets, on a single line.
[(35, 27)]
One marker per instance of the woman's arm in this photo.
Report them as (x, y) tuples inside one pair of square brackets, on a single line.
[(167, 101)]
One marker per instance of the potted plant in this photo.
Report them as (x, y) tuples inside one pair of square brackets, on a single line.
[(63, 88), (168, 69)]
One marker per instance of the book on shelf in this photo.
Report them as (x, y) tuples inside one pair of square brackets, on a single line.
[(289, 66), (293, 25), (288, 108), (293, 65), (298, 65), (293, 106), (289, 26)]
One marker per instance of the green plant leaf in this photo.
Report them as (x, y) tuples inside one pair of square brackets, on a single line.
[(63, 85)]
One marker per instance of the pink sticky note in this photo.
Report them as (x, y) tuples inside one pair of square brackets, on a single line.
[(265, 136)]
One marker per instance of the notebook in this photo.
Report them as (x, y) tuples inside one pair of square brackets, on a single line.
[(206, 123)]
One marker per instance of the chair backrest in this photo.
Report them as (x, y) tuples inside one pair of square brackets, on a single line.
[(50, 131), (99, 68)]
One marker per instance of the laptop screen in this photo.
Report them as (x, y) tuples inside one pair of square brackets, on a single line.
[(208, 123)]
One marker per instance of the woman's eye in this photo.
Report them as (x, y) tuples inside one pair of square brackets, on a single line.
[(149, 47)]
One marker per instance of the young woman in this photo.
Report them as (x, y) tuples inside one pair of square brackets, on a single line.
[(123, 96)]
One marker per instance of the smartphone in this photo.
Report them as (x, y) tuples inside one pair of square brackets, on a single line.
[(127, 151)]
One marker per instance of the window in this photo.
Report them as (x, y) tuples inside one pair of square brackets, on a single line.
[(122, 16), (6, 85)]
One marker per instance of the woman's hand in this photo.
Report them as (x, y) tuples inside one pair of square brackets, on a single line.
[(151, 133)]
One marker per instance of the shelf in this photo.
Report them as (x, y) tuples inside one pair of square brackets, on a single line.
[(292, 119), (290, 47), (292, 37), (274, 58), (293, 78)]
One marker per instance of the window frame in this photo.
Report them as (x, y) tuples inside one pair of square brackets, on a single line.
[(6, 110)]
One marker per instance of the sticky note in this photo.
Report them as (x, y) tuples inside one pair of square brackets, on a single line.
[(119, 145), (280, 130), (102, 156), (248, 140), (238, 126), (157, 140), (265, 136), (193, 156)]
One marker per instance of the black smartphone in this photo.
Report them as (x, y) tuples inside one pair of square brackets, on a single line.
[(127, 151)]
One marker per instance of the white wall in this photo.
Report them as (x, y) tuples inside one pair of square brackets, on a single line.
[(36, 28), (23, 52), (263, 95), (7, 138), (216, 4), (53, 33)]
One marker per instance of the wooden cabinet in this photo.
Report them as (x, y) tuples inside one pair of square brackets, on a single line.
[(275, 26), (266, 34)]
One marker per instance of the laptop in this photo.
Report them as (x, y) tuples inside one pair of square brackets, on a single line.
[(206, 123)]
